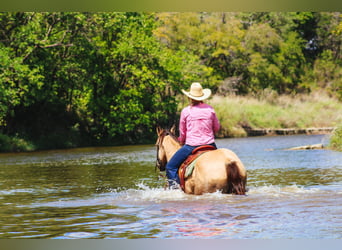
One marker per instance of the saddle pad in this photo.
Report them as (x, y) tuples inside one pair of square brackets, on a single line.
[(189, 169)]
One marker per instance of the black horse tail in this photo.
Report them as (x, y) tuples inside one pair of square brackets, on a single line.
[(236, 180)]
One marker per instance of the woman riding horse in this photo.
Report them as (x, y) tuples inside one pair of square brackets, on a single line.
[(216, 170), (197, 126)]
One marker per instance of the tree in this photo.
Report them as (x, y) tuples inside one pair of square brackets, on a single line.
[(73, 78)]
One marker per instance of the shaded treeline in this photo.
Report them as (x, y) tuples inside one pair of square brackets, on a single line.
[(77, 79)]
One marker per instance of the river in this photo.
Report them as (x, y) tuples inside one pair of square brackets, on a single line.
[(115, 193)]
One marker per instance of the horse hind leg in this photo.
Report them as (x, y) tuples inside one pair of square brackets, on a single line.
[(236, 181)]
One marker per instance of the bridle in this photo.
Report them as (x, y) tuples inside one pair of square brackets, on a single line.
[(162, 133), (160, 164)]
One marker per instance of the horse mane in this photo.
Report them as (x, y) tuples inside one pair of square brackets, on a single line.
[(173, 136), (171, 133)]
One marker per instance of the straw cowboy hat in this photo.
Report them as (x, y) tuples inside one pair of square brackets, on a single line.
[(197, 92)]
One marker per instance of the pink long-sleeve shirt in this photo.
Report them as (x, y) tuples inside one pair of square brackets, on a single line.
[(198, 125)]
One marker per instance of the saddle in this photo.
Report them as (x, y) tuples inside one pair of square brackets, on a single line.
[(185, 170)]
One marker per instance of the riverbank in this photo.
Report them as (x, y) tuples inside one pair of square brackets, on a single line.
[(273, 114), (289, 131), (265, 114), (15, 144)]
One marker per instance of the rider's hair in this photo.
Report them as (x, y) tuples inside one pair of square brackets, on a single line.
[(194, 102)]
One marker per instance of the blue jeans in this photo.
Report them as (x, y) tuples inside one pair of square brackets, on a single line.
[(176, 160)]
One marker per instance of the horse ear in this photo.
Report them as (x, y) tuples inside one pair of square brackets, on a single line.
[(159, 130), (173, 129)]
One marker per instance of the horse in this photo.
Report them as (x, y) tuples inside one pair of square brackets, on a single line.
[(216, 170)]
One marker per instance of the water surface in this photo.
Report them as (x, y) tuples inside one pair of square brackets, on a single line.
[(115, 192)]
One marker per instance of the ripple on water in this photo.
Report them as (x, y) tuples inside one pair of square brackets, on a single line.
[(79, 235)]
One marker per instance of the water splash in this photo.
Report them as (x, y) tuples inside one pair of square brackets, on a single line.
[(143, 192), (146, 193)]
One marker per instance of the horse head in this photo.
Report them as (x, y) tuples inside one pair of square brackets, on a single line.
[(161, 152)]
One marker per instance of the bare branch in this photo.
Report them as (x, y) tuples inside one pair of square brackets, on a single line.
[(55, 45)]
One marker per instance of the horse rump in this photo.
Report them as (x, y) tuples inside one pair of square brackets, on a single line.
[(236, 180)]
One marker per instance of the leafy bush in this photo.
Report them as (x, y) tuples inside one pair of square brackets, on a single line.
[(336, 139), (14, 144)]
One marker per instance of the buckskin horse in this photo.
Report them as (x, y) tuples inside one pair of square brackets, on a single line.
[(215, 170)]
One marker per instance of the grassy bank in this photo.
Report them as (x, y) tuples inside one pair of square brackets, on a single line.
[(269, 110), (336, 139)]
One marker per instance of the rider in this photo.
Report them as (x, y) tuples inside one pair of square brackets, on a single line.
[(197, 126)]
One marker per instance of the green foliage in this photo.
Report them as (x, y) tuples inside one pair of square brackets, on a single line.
[(327, 73), (79, 78), (264, 50), (136, 96), (14, 144), (336, 139), (16, 79), (70, 79)]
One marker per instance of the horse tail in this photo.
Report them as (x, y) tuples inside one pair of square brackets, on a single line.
[(236, 180)]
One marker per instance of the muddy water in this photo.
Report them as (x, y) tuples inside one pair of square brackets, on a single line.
[(114, 192)]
